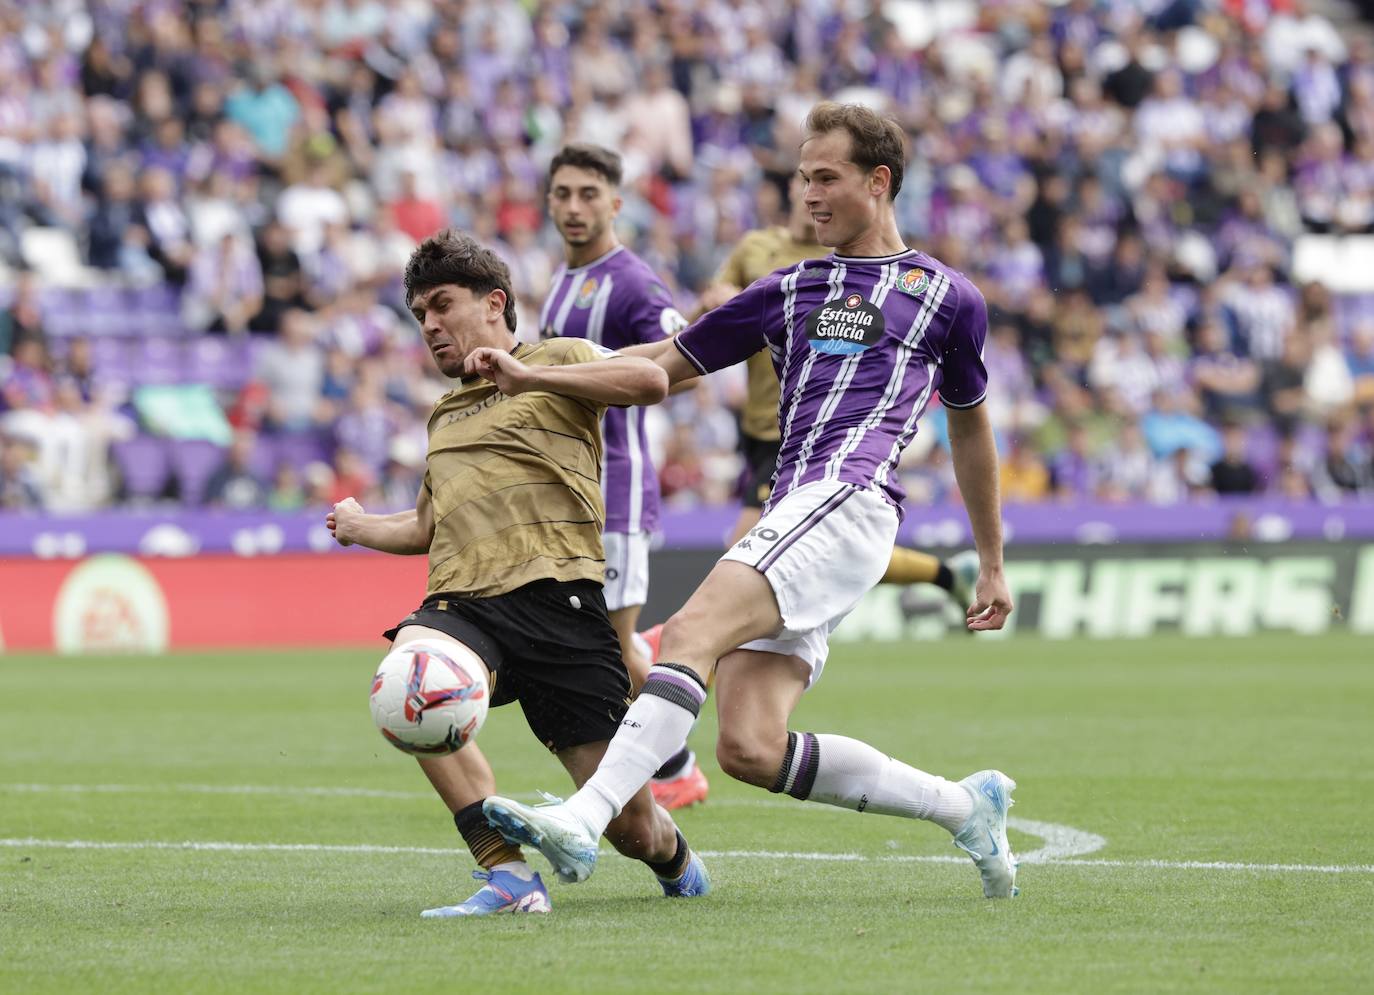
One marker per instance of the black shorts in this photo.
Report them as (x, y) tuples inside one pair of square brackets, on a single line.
[(549, 646), (760, 463)]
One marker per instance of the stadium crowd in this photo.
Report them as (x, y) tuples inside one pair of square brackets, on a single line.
[(205, 207)]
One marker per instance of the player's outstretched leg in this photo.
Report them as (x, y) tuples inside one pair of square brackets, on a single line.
[(955, 576), (756, 693), (680, 782), (653, 729), (462, 779)]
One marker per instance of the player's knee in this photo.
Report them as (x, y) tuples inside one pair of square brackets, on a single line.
[(748, 757)]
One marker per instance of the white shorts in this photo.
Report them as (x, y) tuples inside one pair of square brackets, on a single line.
[(822, 547), (627, 569)]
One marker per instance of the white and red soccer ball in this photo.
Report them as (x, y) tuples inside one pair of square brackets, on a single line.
[(430, 697)]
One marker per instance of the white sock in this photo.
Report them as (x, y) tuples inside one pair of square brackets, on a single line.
[(851, 774), (654, 728), (517, 867)]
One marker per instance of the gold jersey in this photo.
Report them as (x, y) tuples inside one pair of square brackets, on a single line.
[(758, 254), (515, 482)]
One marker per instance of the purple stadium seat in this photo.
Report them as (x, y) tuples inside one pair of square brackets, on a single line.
[(144, 466), (107, 311), (160, 361), (114, 360), (195, 461), (300, 448)]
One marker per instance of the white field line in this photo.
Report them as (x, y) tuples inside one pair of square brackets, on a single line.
[(1059, 841), (366, 848)]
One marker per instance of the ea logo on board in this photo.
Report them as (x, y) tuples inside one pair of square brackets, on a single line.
[(844, 328), (110, 603), (586, 293)]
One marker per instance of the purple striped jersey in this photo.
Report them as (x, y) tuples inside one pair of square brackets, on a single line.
[(860, 345), (617, 301)]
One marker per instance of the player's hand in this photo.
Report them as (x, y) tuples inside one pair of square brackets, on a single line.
[(509, 374), (342, 522), (991, 602)]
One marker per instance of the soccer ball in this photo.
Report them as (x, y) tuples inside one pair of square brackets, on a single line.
[(430, 697)]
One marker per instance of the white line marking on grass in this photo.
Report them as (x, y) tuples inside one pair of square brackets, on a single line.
[(212, 845), (1059, 841)]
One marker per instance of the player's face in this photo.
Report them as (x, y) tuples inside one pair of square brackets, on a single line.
[(454, 321), (839, 196), (582, 204)]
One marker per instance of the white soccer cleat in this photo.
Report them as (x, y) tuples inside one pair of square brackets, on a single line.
[(551, 828), (983, 835), (965, 567)]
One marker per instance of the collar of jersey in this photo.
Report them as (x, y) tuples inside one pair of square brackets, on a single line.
[(874, 259), (598, 260)]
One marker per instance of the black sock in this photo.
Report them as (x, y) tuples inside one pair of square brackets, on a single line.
[(671, 869), (944, 577), (487, 846), (674, 765)]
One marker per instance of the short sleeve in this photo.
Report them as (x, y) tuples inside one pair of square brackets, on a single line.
[(573, 351), (964, 378), (731, 333)]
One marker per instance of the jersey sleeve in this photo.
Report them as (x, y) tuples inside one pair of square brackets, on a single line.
[(964, 378), (652, 316), (732, 332), (571, 351)]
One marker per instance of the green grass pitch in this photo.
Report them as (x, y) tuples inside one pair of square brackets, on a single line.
[(1179, 755)]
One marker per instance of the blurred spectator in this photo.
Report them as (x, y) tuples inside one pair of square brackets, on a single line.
[(417, 216), (1233, 473), (23, 318), (1124, 183), (283, 278), (287, 493), (234, 485), (225, 287), (292, 369), (1024, 476), (1344, 469), (19, 490)]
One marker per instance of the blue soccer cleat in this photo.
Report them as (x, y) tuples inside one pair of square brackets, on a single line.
[(551, 828), (983, 835), (692, 883), (503, 892)]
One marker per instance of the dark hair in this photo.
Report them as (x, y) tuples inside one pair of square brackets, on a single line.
[(874, 140), (585, 155), (453, 256)]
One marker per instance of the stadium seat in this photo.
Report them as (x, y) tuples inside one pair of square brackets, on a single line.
[(143, 466), (195, 461)]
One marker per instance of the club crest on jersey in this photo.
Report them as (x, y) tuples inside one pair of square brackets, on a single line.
[(843, 328), (914, 282), (586, 292)]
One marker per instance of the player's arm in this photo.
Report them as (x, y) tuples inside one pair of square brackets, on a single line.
[(665, 354), (963, 386), (406, 532), (722, 337), (618, 380), (975, 467)]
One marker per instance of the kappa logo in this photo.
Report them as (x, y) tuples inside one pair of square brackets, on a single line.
[(587, 292), (914, 282)]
